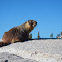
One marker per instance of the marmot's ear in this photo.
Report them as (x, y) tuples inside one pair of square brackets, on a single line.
[(28, 21)]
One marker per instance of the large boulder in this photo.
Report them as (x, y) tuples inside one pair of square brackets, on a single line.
[(43, 50)]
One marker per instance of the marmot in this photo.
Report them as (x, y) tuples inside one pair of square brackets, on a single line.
[(19, 33)]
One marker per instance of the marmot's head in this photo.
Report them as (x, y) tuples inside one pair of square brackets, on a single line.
[(30, 24)]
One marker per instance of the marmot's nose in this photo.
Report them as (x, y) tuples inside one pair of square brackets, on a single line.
[(35, 23)]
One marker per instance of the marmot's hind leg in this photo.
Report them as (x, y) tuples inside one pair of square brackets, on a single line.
[(15, 40)]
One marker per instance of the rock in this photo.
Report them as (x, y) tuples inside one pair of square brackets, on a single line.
[(43, 50), (7, 57)]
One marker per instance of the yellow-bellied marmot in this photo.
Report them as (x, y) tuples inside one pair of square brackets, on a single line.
[(19, 33)]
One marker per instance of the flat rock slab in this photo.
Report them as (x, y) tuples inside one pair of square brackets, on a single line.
[(7, 57), (44, 50)]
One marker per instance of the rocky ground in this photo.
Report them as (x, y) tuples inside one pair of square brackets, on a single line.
[(43, 50), (8, 57)]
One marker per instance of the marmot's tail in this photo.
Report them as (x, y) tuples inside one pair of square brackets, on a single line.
[(4, 44)]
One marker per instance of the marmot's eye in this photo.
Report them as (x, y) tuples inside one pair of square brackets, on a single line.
[(31, 23)]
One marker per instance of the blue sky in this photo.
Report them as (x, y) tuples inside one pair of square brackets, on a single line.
[(48, 14)]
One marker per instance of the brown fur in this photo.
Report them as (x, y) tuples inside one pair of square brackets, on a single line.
[(19, 33)]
